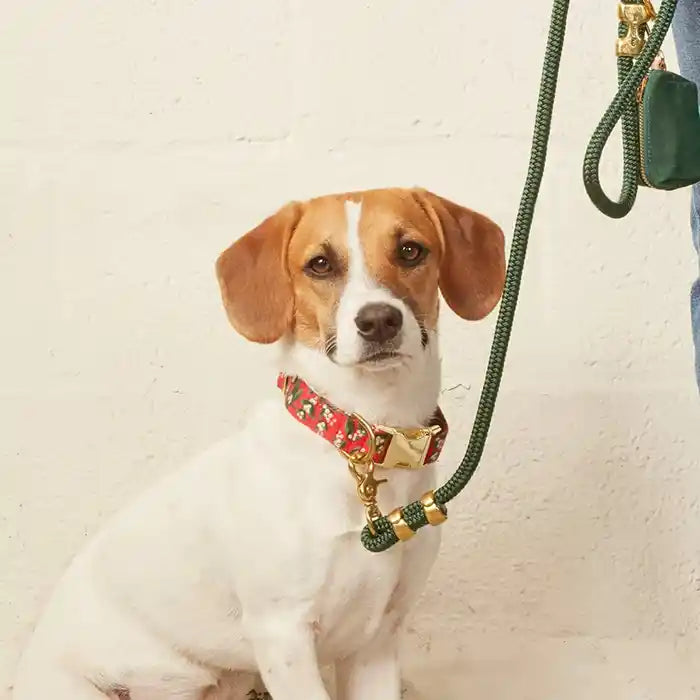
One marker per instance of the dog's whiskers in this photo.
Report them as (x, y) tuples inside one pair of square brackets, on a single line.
[(330, 346)]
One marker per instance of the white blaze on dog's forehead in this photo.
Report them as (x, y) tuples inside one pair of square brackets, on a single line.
[(362, 288), (356, 256)]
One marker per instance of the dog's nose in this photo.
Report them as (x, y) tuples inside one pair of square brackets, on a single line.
[(379, 322)]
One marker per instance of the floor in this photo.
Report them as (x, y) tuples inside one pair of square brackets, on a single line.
[(518, 667), (522, 667)]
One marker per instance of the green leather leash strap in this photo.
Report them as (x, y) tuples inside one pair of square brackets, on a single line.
[(623, 107)]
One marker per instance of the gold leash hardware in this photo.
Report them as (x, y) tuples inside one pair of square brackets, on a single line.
[(367, 486), (401, 528), (361, 466), (433, 513), (635, 17)]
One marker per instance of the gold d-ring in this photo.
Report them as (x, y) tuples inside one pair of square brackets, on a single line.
[(433, 513), (357, 456)]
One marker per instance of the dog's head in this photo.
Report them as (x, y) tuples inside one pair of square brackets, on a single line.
[(357, 276)]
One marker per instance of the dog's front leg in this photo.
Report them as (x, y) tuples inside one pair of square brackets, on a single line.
[(373, 672), (288, 664)]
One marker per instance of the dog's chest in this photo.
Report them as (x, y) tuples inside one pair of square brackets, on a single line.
[(351, 590), (356, 596)]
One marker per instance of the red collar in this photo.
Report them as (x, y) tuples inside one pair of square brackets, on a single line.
[(402, 448)]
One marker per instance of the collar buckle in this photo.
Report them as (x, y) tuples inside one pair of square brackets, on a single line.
[(408, 448)]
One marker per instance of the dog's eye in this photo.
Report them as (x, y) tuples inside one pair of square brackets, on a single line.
[(411, 253), (320, 266)]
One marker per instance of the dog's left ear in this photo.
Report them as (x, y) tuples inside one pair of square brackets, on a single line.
[(473, 266), (255, 285)]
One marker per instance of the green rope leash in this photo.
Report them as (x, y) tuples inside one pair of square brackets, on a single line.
[(622, 107)]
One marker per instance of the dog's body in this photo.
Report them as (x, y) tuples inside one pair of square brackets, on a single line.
[(248, 560)]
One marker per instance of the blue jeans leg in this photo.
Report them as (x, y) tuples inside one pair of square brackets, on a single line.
[(686, 33)]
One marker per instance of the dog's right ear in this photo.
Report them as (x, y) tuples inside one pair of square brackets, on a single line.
[(254, 279)]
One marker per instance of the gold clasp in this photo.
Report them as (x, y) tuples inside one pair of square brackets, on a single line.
[(361, 466), (408, 448), (367, 487), (635, 17)]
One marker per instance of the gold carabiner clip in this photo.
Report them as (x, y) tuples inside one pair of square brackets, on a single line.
[(361, 466)]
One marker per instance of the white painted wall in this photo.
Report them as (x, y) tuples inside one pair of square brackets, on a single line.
[(139, 138)]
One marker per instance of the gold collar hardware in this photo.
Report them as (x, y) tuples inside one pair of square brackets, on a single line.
[(635, 17), (408, 449), (361, 466)]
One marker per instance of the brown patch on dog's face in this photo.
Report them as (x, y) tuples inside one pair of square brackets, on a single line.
[(402, 250), (319, 236)]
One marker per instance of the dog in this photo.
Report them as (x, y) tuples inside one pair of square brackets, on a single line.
[(248, 560)]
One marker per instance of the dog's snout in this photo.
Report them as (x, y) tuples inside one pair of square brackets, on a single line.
[(379, 323)]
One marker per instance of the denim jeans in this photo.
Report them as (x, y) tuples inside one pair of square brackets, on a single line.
[(686, 33)]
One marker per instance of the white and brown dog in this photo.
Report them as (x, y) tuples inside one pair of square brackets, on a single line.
[(249, 559)]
